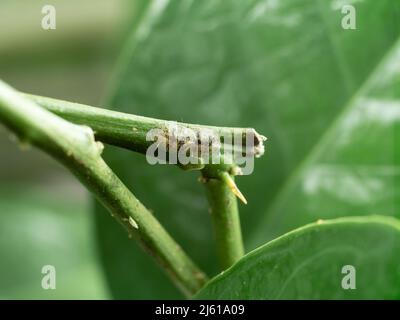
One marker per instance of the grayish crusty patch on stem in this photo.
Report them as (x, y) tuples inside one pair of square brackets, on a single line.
[(129, 130)]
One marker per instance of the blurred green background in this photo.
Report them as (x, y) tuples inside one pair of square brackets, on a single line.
[(45, 215)]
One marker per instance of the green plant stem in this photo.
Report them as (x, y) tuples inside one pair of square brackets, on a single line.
[(129, 131), (75, 146), (225, 215)]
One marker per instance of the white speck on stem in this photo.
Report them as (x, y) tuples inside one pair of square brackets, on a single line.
[(133, 223)]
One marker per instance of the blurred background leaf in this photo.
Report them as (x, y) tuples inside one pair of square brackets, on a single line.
[(286, 68), (353, 169)]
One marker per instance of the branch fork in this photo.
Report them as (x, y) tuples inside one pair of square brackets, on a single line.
[(74, 134)]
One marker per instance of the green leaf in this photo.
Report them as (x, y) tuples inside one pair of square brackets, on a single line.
[(308, 264), (285, 67), (354, 167), (38, 229)]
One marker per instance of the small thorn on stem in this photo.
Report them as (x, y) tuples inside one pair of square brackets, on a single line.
[(227, 178)]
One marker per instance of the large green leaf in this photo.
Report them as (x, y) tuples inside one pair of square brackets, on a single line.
[(354, 167), (308, 264), (285, 67), (38, 229)]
